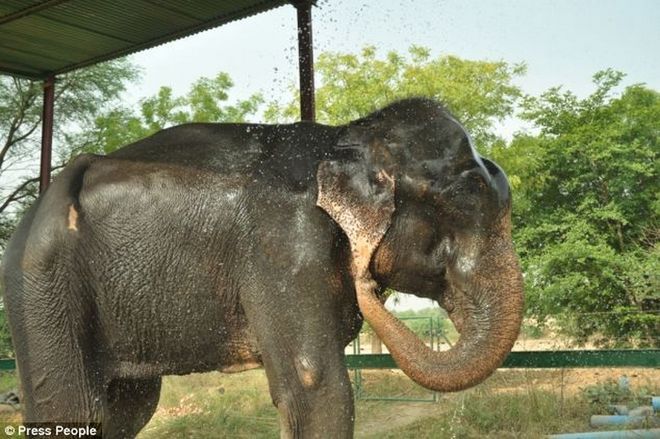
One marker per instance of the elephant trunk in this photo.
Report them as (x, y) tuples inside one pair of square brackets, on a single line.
[(493, 293)]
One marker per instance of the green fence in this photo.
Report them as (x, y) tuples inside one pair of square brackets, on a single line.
[(523, 360), (7, 364), (540, 359)]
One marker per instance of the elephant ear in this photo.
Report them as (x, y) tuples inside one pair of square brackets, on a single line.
[(361, 201)]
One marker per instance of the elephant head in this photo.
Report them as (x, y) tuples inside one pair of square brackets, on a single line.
[(424, 214)]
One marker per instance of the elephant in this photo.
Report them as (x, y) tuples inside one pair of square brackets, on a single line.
[(227, 247)]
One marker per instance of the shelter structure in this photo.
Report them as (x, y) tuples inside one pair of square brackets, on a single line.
[(41, 39)]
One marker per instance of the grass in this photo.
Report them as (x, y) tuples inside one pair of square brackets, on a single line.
[(484, 415), (509, 405), (8, 381), (208, 405), (391, 384)]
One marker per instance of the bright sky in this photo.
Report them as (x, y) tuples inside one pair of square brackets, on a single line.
[(562, 42)]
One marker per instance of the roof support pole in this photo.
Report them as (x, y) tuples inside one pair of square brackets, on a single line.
[(47, 133), (306, 60)]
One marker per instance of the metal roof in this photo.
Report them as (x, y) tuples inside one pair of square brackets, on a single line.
[(39, 38)]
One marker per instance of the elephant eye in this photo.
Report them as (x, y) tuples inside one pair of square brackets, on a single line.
[(473, 182)]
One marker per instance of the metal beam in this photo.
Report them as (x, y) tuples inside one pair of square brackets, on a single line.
[(525, 359), (306, 60), (47, 133)]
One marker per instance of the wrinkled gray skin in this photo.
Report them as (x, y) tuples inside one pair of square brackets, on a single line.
[(203, 248)]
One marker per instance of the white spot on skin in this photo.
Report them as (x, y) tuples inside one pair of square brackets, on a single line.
[(466, 258), (73, 219), (383, 176), (465, 263), (231, 195), (307, 373)]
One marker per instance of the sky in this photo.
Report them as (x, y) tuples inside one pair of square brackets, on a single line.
[(563, 42)]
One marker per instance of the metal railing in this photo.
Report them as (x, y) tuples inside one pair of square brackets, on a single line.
[(522, 359), (540, 359)]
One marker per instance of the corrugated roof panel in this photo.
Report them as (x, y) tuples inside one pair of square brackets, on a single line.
[(205, 8), (11, 6), (110, 18), (40, 37), (18, 40), (49, 55), (78, 42), (21, 59)]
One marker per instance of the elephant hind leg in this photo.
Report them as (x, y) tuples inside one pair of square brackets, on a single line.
[(130, 405), (60, 389), (61, 380)]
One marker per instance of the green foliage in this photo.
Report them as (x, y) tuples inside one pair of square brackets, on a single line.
[(586, 210), (427, 322), (6, 348), (8, 381), (7, 225), (421, 322), (478, 93), (80, 97), (533, 412), (202, 103), (532, 330)]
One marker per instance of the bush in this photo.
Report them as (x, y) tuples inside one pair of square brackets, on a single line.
[(609, 392), (6, 347)]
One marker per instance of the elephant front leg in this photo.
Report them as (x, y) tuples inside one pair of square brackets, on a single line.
[(313, 397), (303, 355), (295, 297)]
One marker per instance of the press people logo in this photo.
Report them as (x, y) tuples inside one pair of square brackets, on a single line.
[(78, 431)]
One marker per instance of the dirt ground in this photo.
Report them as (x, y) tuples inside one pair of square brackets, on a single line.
[(574, 380), (393, 416)]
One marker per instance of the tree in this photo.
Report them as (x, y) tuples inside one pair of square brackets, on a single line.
[(80, 97), (478, 93), (202, 103), (586, 210)]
